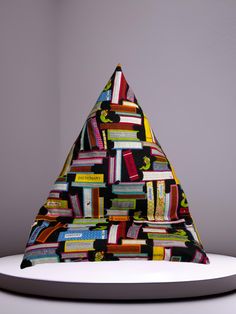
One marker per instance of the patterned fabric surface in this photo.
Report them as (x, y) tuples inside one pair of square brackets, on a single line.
[(117, 196)]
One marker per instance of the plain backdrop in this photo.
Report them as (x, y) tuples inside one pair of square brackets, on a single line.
[(179, 58)]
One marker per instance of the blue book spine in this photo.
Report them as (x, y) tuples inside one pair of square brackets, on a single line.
[(82, 235)]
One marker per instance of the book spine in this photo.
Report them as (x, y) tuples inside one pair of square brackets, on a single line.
[(130, 165)]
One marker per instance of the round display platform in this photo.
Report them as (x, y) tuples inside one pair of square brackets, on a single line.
[(121, 280)]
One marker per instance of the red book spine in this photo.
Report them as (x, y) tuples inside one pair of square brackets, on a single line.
[(130, 165)]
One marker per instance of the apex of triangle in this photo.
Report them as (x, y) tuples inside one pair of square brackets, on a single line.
[(118, 67)]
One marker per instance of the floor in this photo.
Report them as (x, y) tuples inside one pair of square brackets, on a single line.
[(13, 304)]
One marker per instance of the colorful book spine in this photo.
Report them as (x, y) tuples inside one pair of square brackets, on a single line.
[(45, 259), (56, 203), (72, 255), (129, 104), (111, 170), (116, 88), (168, 237), (160, 166), (122, 135), (82, 235), (134, 241), (75, 203), (60, 187), (119, 218), (128, 187), (136, 196), (81, 168), (118, 203), (118, 165), (91, 135), (39, 252), (123, 87), (101, 206), (130, 165), (92, 154), (42, 246), (95, 202), (87, 161), (155, 230), (157, 152), (117, 212), (157, 175), (169, 243), (160, 203), (87, 202), (78, 245), (104, 139), (130, 248), (174, 199), (164, 223), (77, 227), (132, 120), (112, 237), (167, 206), (127, 145), (158, 253), (65, 212), (88, 184), (150, 200), (97, 134), (89, 221), (123, 108), (54, 195), (133, 231), (148, 132), (82, 136), (121, 233), (105, 96), (116, 126), (89, 177)]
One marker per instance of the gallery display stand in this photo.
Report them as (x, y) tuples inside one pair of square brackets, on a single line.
[(120, 280)]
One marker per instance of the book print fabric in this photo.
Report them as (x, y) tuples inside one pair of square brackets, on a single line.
[(117, 196)]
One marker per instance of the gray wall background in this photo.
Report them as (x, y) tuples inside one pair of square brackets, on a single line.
[(179, 58)]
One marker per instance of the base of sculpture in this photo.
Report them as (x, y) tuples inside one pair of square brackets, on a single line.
[(120, 280)]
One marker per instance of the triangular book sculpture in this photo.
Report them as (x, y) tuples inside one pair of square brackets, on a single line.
[(117, 196)]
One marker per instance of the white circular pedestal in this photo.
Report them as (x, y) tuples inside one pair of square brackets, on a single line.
[(120, 280)]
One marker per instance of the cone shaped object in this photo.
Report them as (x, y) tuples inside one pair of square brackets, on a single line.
[(117, 196)]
